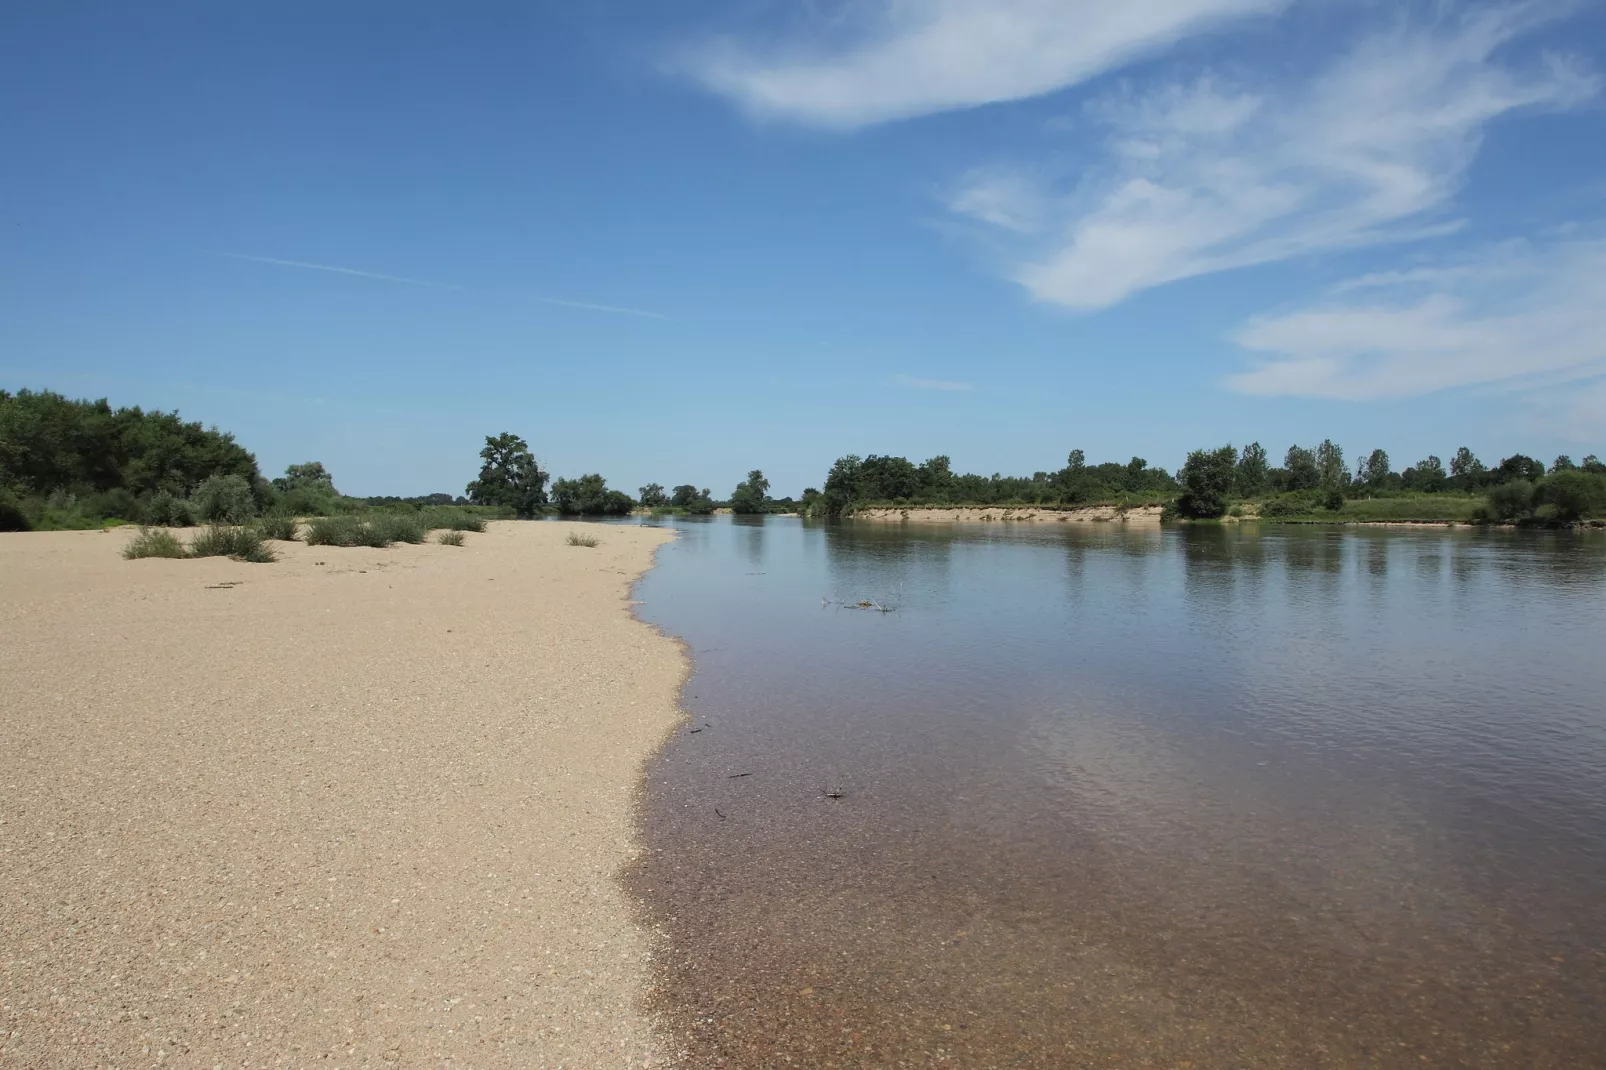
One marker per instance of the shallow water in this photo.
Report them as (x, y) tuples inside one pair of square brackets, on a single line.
[(1129, 796)]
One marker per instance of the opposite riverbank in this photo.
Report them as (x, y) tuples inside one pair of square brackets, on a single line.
[(364, 806)]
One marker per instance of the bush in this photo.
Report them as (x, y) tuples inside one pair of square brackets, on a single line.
[(576, 539), (1574, 494), (12, 518), (165, 510), (345, 531), (224, 500), (242, 544), (451, 519), (1508, 501), (279, 527), (400, 527), (450, 537), (1287, 505), (153, 542), (1333, 497)]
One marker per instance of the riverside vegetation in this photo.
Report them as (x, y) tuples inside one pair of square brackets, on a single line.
[(82, 464)]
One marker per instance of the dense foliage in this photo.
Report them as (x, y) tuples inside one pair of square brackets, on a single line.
[(752, 495), (66, 463), (509, 477), (590, 496), (855, 481)]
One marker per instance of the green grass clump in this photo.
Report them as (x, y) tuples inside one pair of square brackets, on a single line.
[(450, 537), (242, 544), (153, 542), (400, 527), (576, 539), (283, 528), (437, 517), (346, 531)]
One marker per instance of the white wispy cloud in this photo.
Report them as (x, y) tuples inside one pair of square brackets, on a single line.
[(1218, 173), (912, 382), (588, 306), (902, 58), (341, 270), (1529, 315)]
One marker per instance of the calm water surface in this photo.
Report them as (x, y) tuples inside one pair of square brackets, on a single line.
[(1132, 797)]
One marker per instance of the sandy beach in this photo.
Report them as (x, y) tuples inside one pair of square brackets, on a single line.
[(354, 808)]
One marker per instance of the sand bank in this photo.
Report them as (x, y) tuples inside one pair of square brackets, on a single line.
[(355, 808), (951, 515)]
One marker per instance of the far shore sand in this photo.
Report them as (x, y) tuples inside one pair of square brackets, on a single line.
[(354, 808)]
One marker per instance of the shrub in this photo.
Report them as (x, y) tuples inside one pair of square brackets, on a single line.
[(1286, 505), (576, 539), (450, 537), (452, 519), (165, 510), (279, 527), (224, 499), (1508, 501), (153, 542), (400, 527), (345, 531), (1575, 494), (12, 518), (242, 544)]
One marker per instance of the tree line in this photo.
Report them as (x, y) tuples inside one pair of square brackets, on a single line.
[(76, 463), (1519, 487)]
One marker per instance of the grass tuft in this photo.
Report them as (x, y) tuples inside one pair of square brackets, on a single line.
[(241, 544), (450, 537), (400, 527), (153, 542), (346, 531), (282, 528), (576, 539)]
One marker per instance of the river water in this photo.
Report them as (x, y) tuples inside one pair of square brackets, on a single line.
[(1098, 795)]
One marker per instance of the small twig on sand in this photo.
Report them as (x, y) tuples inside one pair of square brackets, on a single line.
[(720, 812), (734, 776), (833, 793)]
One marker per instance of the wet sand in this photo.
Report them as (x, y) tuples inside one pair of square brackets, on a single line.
[(354, 808)]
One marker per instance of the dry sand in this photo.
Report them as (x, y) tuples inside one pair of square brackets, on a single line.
[(365, 808)]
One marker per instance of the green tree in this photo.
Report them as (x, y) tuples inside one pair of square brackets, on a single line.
[(652, 496), (1207, 478), (683, 496), (1563, 463), (1249, 479), (1575, 494), (751, 495), (1300, 464), (1374, 471), (1426, 475), (589, 496), (310, 476), (509, 476), (1466, 471), (1518, 466)]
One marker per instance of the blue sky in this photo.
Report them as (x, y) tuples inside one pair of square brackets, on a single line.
[(672, 242)]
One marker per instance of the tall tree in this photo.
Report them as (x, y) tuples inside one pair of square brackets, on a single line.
[(509, 476), (1206, 478), (652, 496), (1300, 464), (751, 495), (1250, 477), (1374, 470)]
